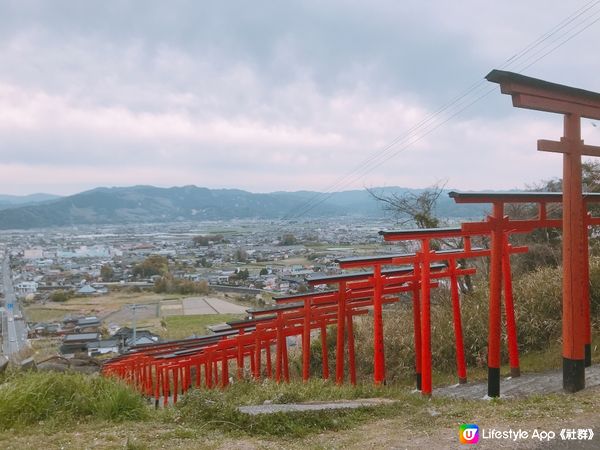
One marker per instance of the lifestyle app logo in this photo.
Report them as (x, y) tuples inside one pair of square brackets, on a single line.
[(469, 433)]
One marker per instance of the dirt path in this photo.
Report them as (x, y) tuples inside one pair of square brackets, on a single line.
[(397, 434)]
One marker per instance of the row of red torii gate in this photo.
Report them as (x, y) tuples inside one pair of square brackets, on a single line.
[(166, 370)]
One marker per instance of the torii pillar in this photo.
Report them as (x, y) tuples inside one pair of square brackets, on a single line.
[(573, 104)]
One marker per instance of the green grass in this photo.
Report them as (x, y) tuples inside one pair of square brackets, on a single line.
[(217, 409), (210, 419), (179, 327), (30, 397)]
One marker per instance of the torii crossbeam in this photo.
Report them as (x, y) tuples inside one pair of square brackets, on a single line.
[(573, 104)]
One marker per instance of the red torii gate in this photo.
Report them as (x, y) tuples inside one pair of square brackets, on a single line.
[(573, 104), (414, 286), (500, 227), (374, 284), (425, 256), (376, 263)]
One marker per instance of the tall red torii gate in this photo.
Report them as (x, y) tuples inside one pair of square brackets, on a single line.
[(573, 104), (501, 227), (425, 255)]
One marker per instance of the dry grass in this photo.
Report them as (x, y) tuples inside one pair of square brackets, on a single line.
[(537, 297), (179, 327), (92, 305), (423, 424), (44, 348), (39, 313)]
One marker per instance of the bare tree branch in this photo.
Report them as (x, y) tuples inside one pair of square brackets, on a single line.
[(418, 208)]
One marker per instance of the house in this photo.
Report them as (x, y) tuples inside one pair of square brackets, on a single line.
[(123, 333), (100, 289), (26, 287), (103, 347), (77, 342), (125, 337), (140, 340), (87, 324), (86, 290), (45, 329)]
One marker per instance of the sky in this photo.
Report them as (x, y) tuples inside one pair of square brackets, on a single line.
[(283, 96)]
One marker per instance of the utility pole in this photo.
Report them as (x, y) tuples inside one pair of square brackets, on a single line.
[(134, 308)]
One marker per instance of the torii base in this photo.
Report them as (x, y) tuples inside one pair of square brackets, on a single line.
[(573, 374), (588, 355), (493, 382)]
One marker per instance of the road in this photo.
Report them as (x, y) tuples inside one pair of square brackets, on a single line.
[(14, 328)]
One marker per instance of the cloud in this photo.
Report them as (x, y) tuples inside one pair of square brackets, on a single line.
[(277, 96)]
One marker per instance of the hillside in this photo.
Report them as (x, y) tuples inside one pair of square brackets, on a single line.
[(148, 204), (11, 201)]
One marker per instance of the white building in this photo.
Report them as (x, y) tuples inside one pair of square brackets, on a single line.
[(33, 253), (26, 287)]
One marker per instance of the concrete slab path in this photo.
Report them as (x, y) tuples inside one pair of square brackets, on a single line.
[(272, 408), (525, 385)]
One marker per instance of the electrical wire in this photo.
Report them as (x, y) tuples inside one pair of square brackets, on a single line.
[(455, 106)]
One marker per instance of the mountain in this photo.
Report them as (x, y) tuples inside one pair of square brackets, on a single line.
[(10, 201), (148, 204)]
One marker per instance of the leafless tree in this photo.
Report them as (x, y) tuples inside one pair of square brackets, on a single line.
[(412, 207)]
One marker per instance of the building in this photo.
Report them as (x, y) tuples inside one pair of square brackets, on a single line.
[(102, 347), (86, 290), (125, 337), (88, 325), (33, 253), (26, 287), (78, 342)]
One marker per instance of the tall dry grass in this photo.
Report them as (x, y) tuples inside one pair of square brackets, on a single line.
[(538, 311)]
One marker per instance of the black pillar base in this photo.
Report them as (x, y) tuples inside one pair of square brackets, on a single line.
[(418, 382), (515, 372), (462, 380), (493, 382), (573, 374), (588, 355)]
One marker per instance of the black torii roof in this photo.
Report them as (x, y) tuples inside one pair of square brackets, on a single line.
[(503, 76), (515, 196)]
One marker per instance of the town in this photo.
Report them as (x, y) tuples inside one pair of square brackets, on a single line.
[(98, 291), (299, 225)]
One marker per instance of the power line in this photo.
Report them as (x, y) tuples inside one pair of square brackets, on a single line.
[(454, 106), (367, 168)]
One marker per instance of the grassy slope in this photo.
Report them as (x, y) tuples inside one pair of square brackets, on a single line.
[(413, 420), (209, 420)]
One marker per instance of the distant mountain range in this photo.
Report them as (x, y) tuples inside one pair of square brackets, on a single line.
[(149, 204), (10, 201)]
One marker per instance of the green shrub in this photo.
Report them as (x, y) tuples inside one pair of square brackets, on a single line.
[(61, 296), (30, 397)]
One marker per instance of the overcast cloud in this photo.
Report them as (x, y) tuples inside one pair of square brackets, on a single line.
[(272, 95)]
